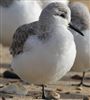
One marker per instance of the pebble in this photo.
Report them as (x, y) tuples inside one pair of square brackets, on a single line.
[(79, 88), (52, 95), (76, 77), (1, 85), (58, 89), (77, 92), (15, 89), (67, 92)]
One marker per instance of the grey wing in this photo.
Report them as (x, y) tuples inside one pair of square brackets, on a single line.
[(19, 38)]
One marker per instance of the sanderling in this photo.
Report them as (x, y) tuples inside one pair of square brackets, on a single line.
[(14, 13), (44, 51), (81, 18)]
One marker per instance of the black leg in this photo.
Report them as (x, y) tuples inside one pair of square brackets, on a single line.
[(82, 81), (43, 92)]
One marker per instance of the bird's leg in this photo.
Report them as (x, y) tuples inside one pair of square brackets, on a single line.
[(82, 82), (43, 91), (82, 79)]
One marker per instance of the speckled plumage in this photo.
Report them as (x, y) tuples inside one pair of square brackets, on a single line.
[(20, 37)]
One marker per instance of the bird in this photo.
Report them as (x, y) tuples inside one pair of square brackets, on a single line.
[(14, 13), (44, 3), (80, 17), (44, 51)]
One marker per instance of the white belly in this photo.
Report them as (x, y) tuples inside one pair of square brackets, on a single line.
[(82, 62), (45, 62)]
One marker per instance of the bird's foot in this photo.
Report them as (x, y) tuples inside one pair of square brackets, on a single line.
[(85, 85), (43, 97), (81, 84), (43, 91)]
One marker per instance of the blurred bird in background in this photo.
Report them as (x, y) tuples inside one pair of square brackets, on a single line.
[(14, 13), (44, 3), (80, 17)]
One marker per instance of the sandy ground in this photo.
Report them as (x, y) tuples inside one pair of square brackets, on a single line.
[(63, 87)]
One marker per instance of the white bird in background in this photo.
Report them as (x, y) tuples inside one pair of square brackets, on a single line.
[(44, 51), (44, 3), (14, 13), (81, 18)]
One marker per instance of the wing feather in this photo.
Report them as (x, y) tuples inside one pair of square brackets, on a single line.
[(20, 36)]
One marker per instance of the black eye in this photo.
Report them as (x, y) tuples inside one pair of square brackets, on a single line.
[(63, 15)]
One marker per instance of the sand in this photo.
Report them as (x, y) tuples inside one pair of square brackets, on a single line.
[(63, 87)]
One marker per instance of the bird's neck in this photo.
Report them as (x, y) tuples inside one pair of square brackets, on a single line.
[(46, 25), (51, 29)]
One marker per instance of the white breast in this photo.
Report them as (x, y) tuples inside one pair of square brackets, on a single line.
[(82, 62), (48, 61)]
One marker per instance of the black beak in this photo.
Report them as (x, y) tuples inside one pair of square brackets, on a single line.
[(75, 29)]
